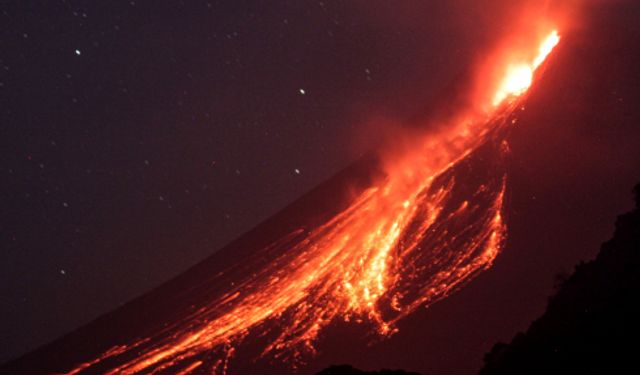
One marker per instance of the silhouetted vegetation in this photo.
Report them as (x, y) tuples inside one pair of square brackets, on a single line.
[(592, 324), (349, 370)]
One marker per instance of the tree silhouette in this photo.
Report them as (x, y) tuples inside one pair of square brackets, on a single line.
[(591, 325)]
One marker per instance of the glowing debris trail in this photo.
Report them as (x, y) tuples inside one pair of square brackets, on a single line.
[(407, 241)]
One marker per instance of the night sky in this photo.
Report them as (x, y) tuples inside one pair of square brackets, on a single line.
[(138, 137)]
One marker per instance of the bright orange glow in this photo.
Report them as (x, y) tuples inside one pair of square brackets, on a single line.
[(518, 80), (545, 48), (408, 240), (519, 77)]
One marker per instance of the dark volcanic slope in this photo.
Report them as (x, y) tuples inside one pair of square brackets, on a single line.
[(591, 324), (149, 312)]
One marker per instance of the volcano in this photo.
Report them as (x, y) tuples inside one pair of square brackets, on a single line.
[(398, 230), (270, 326), (344, 273)]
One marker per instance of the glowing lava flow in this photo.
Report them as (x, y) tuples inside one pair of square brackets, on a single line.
[(407, 241)]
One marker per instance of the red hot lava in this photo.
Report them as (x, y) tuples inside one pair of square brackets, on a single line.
[(407, 241)]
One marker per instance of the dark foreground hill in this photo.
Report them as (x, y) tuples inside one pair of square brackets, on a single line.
[(591, 325)]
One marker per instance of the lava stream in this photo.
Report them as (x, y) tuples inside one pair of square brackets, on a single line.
[(407, 241)]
